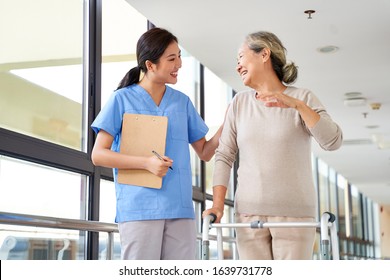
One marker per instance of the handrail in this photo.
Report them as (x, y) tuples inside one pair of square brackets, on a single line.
[(73, 224), (62, 223), (52, 222)]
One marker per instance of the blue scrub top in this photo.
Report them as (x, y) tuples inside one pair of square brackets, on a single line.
[(185, 126)]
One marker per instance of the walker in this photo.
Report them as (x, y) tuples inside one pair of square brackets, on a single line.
[(326, 225)]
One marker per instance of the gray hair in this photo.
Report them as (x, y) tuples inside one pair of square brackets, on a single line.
[(257, 41)]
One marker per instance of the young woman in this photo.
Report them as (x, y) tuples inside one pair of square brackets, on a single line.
[(271, 125), (154, 223)]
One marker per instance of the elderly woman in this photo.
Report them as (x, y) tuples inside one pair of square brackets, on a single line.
[(271, 125)]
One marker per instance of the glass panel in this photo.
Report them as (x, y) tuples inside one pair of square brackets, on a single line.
[(41, 69), (323, 186), (357, 219), (118, 52), (342, 185), (32, 243), (107, 209), (343, 249), (103, 244), (370, 221), (365, 218), (351, 249), (39, 190), (107, 202), (217, 97), (368, 228), (332, 191), (198, 217)]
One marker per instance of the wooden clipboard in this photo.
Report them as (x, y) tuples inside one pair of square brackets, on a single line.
[(141, 134)]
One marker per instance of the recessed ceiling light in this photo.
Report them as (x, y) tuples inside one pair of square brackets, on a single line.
[(328, 49)]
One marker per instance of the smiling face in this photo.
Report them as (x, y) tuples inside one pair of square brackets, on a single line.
[(166, 69), (250, 65)]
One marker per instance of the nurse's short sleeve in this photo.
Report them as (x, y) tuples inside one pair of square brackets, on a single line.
[(110, 117), (197, 128)]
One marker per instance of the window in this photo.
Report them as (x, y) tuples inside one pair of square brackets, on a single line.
[(35, 189), (342, 187), (357, 218), (323, 186), (41, 71), (122, 26), (217, 97)]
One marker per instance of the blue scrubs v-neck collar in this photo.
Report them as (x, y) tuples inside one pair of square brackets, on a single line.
[(148, 98)]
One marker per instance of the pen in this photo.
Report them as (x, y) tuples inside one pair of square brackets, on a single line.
[(160, 157)]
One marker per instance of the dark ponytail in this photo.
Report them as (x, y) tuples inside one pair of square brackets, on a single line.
[(131, 77), (150, 46)]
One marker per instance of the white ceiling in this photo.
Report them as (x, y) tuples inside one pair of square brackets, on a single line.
[(213, 30)]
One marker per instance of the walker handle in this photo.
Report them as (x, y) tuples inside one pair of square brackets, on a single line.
[(332, 217), (213, 218)]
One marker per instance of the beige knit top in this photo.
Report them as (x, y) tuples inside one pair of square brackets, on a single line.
[(274, 145)]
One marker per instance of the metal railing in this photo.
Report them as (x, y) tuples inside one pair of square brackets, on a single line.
[(63, 223), (18, 219)]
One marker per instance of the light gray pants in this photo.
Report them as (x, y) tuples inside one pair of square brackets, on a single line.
[(274, 243), (173, 239)]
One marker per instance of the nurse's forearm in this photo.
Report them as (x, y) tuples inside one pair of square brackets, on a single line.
[(110, 159)]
